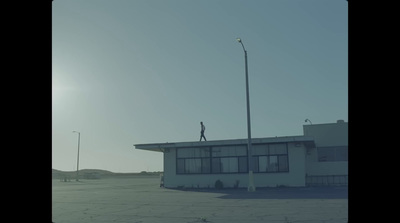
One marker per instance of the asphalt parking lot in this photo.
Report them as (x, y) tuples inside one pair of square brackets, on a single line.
[(141, 200)]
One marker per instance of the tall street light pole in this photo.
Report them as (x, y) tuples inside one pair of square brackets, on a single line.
[(77, 164), (251, 186)]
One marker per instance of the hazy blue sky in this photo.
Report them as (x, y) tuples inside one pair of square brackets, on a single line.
[(148, 71)]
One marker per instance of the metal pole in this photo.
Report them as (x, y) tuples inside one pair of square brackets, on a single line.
[(77, 164), (251, 187)]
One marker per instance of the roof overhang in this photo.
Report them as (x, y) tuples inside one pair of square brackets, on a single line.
[(308, 141)]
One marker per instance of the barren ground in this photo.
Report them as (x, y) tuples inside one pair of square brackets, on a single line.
[(141, 200)]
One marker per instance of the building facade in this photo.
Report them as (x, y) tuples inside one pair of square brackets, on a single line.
[(327, 162), (311, 159)]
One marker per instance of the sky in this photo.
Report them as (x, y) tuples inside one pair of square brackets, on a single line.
[(149, 71)]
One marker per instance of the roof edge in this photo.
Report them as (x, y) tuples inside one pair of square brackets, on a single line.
[(159, 147)]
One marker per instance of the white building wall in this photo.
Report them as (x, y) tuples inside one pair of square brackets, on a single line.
[(326, 135), (295, 176), (331, 134), (315, 168)]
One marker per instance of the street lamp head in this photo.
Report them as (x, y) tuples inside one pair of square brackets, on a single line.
[(239, 40)]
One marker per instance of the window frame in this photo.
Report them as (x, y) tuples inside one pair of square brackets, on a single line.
[(333, 152), (242, 160), (279, 167)]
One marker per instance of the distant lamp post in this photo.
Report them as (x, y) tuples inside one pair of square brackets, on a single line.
[(251, 186), (308, 120), (77, 164)]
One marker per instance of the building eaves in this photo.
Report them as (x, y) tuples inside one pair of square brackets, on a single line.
[(160, 147)]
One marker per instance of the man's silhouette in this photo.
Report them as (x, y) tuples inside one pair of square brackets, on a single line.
[(203, 128)]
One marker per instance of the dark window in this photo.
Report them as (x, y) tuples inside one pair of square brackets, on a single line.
[(229, 165), (192, 165), (216, 165), (263, 163), (205, 165), (277, 149), (180, 166), (243, 164), (332, 154), (224, 151), (272, 164), (326, 154), (193, 160), (259, 150), (229, 159), (341, 153), (271, 158), (232, 159), (255, 164), (193, 152)]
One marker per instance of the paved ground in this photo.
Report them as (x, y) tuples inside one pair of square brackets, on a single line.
[(141, 200)]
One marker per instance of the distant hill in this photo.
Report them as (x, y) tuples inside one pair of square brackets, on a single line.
[(97, 174)]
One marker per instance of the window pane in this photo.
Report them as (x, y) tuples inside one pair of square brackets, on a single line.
[(283, 164), (229, 165), (186, 152), (275, 149), (193, 152), (273, 164), (216, 165), (202, 152), (238, 151), (192, 165), (180, 166), (220, 151), (205, 165), (255, 164), (326, 154), (216, 151), (259, 150), (341, 153), (243, 164), (262, 163)]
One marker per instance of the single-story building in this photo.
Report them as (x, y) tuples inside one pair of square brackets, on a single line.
[(318, 157)]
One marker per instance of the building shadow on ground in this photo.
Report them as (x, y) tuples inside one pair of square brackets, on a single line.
[(340, 192)]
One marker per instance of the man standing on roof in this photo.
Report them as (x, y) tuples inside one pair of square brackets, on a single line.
[(203, 128)]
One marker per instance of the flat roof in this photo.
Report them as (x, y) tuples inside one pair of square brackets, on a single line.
[(159, 147)]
